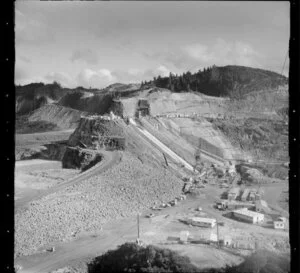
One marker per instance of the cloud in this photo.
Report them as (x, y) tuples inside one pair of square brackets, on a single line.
[(63, 78), (161, 70), (95, 78), (200, 55), (134, 75), (87, 55), (20, 74), (32, 31), (131, 75), (222, 53), (24, 59)]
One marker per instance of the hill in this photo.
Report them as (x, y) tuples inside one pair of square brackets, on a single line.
[(233, 81), (32, 96), (120, 87), (228, 81), (94, 103), (61, 117), (35, 95)]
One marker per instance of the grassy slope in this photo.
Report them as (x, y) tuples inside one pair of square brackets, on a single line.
[(24, 126)]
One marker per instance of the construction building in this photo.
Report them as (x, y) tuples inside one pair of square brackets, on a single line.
[(245, 194), (227, 240), (280, 223), (183, 236), (203, 222), (233, 193), (233, 205), (259, 194), (143, 108), (252, 195), (249, 216), (262, 206)]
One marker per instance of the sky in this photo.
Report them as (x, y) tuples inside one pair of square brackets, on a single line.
[(94, 44)]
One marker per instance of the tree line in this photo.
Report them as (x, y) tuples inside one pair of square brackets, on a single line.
[(232, 81)]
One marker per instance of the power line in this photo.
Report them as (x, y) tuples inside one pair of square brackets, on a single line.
[(284, 61)]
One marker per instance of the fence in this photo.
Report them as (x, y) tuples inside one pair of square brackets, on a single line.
[(205, 145)]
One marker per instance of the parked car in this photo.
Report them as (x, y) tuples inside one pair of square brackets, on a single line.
[(150, 215)]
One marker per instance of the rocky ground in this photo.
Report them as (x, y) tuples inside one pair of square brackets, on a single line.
[(126, 189)]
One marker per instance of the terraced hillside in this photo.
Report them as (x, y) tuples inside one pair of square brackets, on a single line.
[(62, 117)]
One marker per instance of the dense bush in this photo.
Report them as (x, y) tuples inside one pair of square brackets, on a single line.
[(131, 257)]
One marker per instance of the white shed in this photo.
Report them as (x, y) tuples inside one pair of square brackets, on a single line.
[(280, 223), (184, 235), (213, 237), (203, 222), (249, 216)]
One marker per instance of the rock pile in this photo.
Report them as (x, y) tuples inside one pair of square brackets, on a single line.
[(124, 190)]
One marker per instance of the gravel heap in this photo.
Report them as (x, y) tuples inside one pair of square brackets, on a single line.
[(121, 191)]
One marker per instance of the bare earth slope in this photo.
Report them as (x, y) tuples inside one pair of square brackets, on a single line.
[(63, 117), (129, 187)]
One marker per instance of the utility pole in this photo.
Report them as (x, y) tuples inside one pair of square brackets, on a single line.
[(138, 226), (165, 159), (218, 234), (198, 155)]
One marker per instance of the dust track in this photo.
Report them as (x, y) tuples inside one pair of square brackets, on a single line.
[(110, 159)]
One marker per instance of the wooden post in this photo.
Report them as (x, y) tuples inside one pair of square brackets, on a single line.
[(165, 159), (138, 226), (218, 234)]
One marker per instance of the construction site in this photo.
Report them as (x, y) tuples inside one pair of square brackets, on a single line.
[(152, 137), (190, 187)]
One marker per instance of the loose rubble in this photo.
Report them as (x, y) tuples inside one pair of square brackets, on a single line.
[(126, 189)]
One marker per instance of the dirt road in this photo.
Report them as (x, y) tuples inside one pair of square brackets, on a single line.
[(110, 158)]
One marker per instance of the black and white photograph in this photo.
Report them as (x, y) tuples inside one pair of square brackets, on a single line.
[(152, 136)]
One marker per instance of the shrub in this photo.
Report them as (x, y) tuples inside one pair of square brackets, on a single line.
[(131, 257)]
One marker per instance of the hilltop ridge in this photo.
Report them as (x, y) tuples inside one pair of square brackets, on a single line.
[(227, 81)]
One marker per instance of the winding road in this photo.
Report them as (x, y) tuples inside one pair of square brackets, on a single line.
[(110, 159)]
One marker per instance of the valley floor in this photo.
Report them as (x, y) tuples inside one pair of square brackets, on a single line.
[(159, 230)]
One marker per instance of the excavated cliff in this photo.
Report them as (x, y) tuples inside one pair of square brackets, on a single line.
[(63, 117), (92, 135), (78, 158), (97, 133), (117, 108)]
